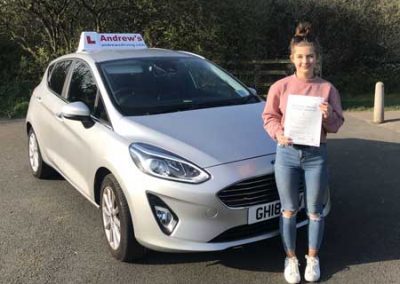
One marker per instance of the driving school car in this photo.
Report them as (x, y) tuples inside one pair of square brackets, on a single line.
[(170, 146)]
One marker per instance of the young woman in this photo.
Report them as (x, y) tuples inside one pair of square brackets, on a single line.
[(297, 163)]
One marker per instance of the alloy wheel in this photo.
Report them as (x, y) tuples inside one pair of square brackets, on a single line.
[(33, 152), (111, 218)]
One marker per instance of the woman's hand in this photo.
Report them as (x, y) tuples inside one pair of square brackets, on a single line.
[(326, 110), (283, 140)]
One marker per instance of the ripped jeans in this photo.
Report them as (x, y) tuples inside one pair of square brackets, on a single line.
[(295, 164)]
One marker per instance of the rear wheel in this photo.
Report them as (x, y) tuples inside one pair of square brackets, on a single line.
[(38, 167), (117, 222)]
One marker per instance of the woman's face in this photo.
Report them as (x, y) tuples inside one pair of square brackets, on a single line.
[(304, 59)]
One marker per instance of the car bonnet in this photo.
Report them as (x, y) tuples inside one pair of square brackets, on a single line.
[(206, 137)]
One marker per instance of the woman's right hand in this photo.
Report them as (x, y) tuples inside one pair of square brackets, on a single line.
[(283, 140)]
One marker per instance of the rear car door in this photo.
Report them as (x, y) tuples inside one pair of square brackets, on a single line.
[(49, 103)]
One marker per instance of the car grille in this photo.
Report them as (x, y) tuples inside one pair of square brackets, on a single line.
[(253, 230), (249, 192)]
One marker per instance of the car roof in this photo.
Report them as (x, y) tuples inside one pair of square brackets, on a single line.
[(115, 54)]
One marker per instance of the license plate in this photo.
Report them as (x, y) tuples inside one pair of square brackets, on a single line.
[(268, 211)]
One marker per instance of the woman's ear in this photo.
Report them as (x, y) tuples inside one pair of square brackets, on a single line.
[(291, 58)]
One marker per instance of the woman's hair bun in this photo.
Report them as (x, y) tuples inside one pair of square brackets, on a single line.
[(304, 29), (305, 35)]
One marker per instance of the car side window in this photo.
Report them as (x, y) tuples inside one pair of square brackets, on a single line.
[(50, 69), (57, 75), (82, 87)]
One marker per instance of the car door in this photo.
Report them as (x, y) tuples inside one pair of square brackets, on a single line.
[(50, 102), (78, 137)]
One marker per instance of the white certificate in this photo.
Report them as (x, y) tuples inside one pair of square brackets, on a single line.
[(303, 120)]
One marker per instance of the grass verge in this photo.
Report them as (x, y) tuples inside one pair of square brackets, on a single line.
[(366, 102)]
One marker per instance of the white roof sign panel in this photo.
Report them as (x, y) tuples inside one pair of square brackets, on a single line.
[(91, 41)]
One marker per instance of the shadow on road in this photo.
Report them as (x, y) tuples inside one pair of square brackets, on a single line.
[(391, 120), (364, 224)]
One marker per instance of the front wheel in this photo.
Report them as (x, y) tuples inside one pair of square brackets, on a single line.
[(117, 222)]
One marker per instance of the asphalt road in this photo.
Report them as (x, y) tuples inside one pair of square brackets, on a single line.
[(49, 233)]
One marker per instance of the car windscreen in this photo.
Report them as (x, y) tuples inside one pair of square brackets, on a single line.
[(164, 84)]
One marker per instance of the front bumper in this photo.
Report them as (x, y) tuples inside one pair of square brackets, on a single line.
[(205, 222)]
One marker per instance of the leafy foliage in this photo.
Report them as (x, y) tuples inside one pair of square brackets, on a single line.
[(360, 39)]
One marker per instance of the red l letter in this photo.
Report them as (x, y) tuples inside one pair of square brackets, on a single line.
[(90, 41)]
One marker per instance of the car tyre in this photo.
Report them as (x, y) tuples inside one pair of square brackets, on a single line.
[(117, 222), (38, 167)]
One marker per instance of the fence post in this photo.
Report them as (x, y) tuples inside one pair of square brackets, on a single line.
[(379, 103)]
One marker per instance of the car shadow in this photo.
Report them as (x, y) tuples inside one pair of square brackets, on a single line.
[(363, 226), (54, 175)]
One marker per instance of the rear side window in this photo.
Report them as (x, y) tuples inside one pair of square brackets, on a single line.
[(57, 75), (83, 86)]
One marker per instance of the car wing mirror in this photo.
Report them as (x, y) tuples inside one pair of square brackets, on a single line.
[(76, 111)]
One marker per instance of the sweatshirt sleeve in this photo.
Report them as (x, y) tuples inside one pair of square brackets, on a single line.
[(272, 115), (335, 121)]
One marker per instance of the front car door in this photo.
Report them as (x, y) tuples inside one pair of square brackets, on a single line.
[(78, 152)]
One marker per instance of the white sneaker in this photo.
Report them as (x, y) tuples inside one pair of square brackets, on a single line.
[(312, 272), (291, 272)]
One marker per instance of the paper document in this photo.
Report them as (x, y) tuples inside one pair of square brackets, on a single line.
[(303, 120)]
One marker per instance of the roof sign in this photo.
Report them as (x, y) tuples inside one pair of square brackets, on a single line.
[(90, 41)]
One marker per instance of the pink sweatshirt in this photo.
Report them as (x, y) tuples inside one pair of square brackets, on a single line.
[(275, 107)]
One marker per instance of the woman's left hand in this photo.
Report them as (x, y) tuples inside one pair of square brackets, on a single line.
[(326, 110)]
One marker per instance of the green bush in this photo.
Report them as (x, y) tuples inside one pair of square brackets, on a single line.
[(20, 109), (14, 98), (360, 39)]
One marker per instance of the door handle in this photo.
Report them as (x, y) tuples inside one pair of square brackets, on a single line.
[(39, 98)]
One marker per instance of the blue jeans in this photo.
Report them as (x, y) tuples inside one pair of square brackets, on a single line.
[(294, 165)]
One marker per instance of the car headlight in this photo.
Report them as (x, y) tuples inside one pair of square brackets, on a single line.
[(160, 163)]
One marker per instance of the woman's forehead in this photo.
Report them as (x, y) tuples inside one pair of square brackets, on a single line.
[(303, 48)]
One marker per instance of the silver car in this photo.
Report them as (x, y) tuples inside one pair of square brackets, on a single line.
[(168, 145)]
